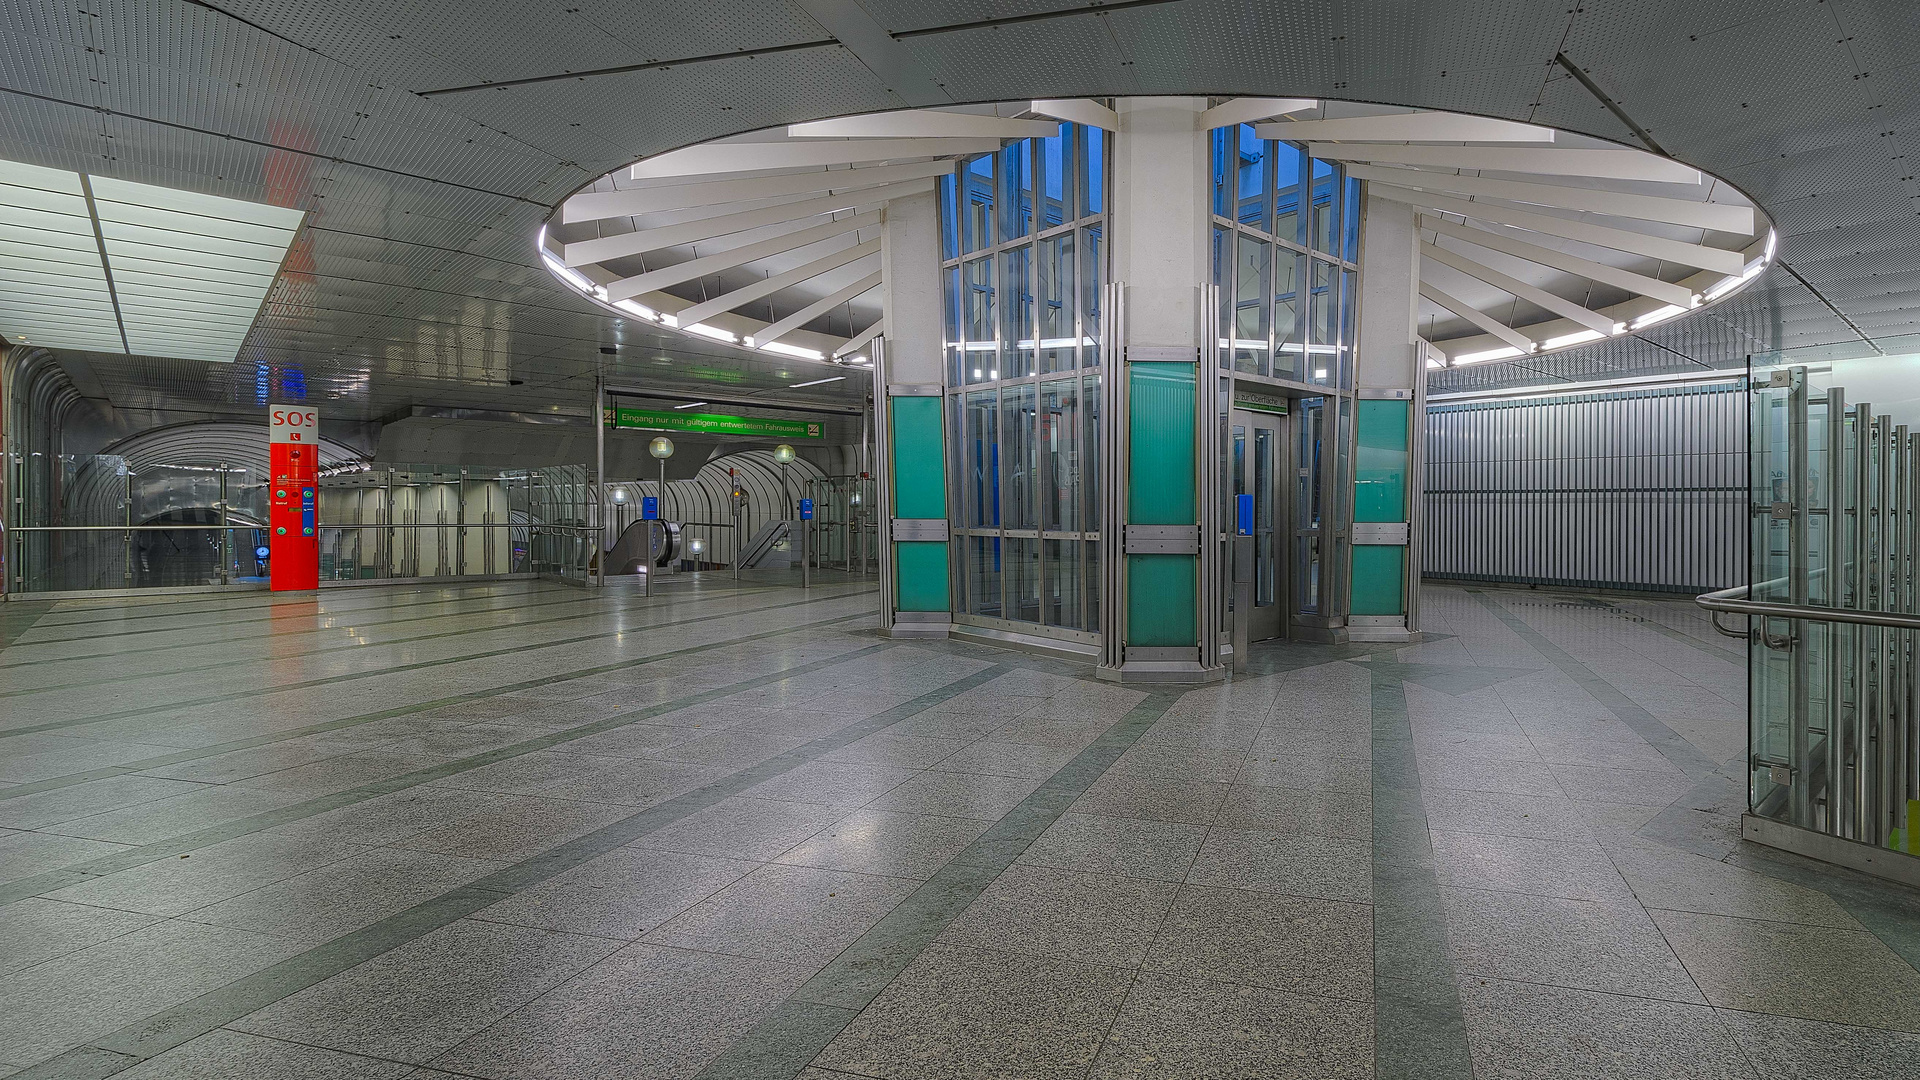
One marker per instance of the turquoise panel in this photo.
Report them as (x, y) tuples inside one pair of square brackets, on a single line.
[(1381, 462), (1379, 579), (919, 459), (920, 575), (1160, 431), (1161, 600)]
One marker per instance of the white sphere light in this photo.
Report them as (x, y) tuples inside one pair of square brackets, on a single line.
[(661, 447), (696, 546), (620, 496), (854, 499), (783, 454)]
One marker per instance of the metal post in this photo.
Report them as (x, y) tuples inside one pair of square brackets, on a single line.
[(1799, 680), (1862, 696), (226, 537), (600, 477), (1113, 455), (1837, 596), (1242, 600)]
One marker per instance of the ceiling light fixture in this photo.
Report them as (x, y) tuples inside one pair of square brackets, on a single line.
[(816, 382), (108, 265), (690, 405)]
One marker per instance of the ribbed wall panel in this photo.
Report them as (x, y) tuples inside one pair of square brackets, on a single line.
[(1636, 489)]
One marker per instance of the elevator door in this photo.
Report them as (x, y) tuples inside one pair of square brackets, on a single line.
[(1259, 449)]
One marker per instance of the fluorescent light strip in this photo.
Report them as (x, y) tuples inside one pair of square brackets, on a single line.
[(816, 382), (189, 271), (690, 405)]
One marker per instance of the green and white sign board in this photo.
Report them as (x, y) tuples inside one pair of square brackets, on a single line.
[(621, 416)]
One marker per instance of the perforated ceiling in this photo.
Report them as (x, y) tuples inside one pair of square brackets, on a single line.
[(415, 281)]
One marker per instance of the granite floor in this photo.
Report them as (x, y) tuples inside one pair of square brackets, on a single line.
[(519, 830)]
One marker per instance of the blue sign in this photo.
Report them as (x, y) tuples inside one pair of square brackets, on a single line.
[(307, 499), (1243, 507), (650, 507), (260, 552), (806, 509)]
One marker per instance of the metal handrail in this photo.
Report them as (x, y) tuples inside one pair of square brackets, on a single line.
[(1733, 601), (243, 526)]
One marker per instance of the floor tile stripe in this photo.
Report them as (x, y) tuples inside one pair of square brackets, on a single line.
[(171, 1027), (334, 680), (20, 889), (1683, 754)]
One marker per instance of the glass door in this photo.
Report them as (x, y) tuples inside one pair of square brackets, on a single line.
[(1259, 446)]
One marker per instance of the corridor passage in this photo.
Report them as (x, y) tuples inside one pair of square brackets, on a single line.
[(522, 830)]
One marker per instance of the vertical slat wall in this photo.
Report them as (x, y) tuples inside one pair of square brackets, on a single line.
[(1632, 489)]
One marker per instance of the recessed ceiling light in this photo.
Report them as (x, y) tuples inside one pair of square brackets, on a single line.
[(114, 266)]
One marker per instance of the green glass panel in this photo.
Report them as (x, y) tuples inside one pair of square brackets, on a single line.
[(1379, 579), (1160, 430), (921, 574), (1160, 599), (919, 465), (1380, 472)]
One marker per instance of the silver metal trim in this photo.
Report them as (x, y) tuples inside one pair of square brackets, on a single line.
[(913, 390), (1163, 540), (1866, 858), (923, 618), (1376, 620), (919, 529), (1162, 653), (1177, 354), (1378, 394), (1381, 533)]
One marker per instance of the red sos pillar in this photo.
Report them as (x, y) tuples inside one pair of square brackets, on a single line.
[(293, 499)]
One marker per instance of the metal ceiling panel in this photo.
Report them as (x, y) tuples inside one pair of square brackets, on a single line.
[(416, 281)]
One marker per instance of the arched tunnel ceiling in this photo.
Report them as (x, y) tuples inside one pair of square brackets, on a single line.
[(427, 141)]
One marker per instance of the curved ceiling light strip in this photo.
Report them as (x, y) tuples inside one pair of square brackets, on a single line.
[(1519, 232)]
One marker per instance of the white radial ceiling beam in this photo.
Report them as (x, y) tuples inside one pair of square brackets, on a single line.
[(1559, 305), (767, 286), (1407, 127), (1247, 110), (655, 280), (1078, 111), (795, 154), (600, 205), (621, 245), (1720, 217), (1547, 160), (777, 330), (1639, 284), (1718, 260), (1479, 318), (923, 124), (859, 340)]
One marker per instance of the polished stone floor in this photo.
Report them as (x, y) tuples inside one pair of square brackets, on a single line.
[(518, 830)]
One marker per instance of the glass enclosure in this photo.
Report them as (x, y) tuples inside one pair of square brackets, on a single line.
[(102, 524), (1286, 238), (1285, 258), (1024, 232), (1835, 510)]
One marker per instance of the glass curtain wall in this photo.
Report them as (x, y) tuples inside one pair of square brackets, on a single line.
[(1023, 235), (1285, 254)]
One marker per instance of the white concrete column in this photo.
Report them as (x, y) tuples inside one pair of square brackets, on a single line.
[(1160, 217), (1390, 382), (910, 468), (910, 282), (1389, 297)]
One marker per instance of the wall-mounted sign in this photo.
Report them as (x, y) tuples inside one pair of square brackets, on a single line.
[(622, 416), (293, 424)]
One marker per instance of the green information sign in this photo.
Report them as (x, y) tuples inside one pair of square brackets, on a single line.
[(711, 423)]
